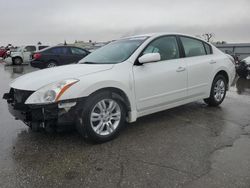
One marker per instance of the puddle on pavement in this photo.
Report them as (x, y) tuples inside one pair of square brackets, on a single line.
[(241, 86)]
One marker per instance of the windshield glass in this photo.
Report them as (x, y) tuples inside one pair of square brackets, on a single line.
[(114, 52), (19, 49)]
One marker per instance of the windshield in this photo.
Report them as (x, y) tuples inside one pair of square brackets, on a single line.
[(115, 52), (19, 49)]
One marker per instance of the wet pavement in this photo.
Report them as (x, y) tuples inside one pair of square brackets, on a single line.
[(188, 146)]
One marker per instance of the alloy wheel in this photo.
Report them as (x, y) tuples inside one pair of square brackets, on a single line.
[(219, 90), (105, 117)]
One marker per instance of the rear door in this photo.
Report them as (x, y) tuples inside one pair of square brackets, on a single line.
[(199, 59), (77, 54)]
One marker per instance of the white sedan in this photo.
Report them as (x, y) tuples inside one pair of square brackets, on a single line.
[(126, 79)]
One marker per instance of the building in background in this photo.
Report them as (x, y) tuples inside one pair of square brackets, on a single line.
[(241, 50)]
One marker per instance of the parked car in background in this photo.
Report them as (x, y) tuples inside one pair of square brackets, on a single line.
[(243, 68), (23, 53), (122, 81), (3, 53), (57, 55)]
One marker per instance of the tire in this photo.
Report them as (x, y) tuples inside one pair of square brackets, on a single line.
[(17, 61), (242, 71), (99, 126), (51, 64), (218, 91)]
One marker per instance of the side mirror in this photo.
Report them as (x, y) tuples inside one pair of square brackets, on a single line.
[(148, 58)]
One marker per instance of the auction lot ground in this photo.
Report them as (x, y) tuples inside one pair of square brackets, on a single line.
[(189, 146)]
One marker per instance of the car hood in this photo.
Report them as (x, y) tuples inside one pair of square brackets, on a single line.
[(35, 80)]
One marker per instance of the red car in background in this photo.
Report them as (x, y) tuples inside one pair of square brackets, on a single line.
[(3, 53)]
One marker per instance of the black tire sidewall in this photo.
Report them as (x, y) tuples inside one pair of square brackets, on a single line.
[(14, 61), (86, 129)]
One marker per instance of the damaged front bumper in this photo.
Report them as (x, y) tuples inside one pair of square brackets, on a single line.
[(60, 113)]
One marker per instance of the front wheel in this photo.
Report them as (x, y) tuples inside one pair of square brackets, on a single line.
[(17, 61), (218, 91), (102, 118)]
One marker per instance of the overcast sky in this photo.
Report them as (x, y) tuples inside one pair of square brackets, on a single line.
[(53, 21)]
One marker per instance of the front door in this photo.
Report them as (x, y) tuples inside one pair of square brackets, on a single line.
[(164, 82)]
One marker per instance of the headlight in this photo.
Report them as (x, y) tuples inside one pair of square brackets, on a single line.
[(50, 93)]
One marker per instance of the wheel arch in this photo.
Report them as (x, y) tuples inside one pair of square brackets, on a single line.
[(225, 74), (116, 93), (14, 57)]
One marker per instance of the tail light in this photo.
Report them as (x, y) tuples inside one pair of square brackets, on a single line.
[(37, 56)]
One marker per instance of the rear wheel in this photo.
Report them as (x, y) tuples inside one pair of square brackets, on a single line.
[(51, 64), (218, 91), (102, 118), (17, 61)]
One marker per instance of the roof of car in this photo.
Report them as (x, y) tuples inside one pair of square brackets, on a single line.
[(50, 47), (67, 45), (158, 34)]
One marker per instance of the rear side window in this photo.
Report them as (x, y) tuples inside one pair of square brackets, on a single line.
[(30, 48), (78, 51), (42, 47), (193, 47), (166, 46), (208, 48), (60, 50)]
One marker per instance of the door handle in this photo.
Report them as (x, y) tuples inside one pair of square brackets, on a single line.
[(181, 69), (212, 62)]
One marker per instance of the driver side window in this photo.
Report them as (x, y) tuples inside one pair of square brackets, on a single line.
[(30, 48), (166, 46)]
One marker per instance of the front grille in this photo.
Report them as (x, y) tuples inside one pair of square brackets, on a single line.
[(20, 96)]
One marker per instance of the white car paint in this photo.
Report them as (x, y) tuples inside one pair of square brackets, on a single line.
[(149, 88), (23, 53), (247, 60)]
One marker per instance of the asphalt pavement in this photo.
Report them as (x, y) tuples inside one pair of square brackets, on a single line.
[(192, 146)]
